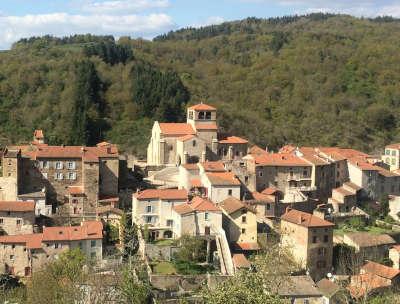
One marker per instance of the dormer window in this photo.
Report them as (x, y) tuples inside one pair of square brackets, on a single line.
[(201, 115), (208, 115)]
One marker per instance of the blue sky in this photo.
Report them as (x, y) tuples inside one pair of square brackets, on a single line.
[(147, 18)]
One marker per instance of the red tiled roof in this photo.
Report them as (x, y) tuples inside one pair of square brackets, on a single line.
[(231, 205), (17, 206), (305, 219), (256, 150), (380, 270), (75, 190), (203, 204), (247, 246), (186, 137), (233, 140), (90, 230), (240, 261), (263, 197), (32, 241), (206, 126), (363, 164), (196, 183), (38, 134), (197, 204), (191, 166), (270, 191), (164, 194), (280, 159), (213, 166), (222, 178), (343, 153), (202, 107), (394, 146), (287, 149), (366, 283), (176, 129)]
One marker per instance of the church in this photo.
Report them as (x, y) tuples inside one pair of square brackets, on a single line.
[(197, 140)]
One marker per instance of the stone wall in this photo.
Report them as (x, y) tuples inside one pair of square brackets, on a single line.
[(163, 253)]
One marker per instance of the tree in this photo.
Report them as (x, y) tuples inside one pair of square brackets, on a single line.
[(129, 237), (260, 284), (191, 249)]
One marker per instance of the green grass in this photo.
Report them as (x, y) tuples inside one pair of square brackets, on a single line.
[(164, 268), (370, 229), (190, 268)]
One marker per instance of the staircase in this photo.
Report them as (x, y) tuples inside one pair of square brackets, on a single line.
[(224, 253)]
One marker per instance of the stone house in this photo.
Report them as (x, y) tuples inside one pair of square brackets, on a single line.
[(17, 217), (55, 169), (220, 185), (310, 240), (391, 156), (374, 247), (199, 217), (383, 271), (265, 205), (332, 292), (197, 140), (153, 208), (394, 256), (239, 221), (23, 254), (300, 290)]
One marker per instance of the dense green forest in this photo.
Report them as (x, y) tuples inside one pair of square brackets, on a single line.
[(319, 79)]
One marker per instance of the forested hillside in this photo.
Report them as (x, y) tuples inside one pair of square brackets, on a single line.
[(307, 80)]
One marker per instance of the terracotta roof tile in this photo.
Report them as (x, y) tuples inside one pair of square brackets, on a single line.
[(366, 239), (270, 191), (164, 194), (305, 219), (176, 129), (380, 270), (197, 204), (233, 140), (186, 137), (240, 261), (17, 206), (231, 205), (328, 288), (74, 190), (222, 179), (256, 150), (261, 197), (247, 246), (213, 166), (280, 159), (196, 183), (32, 241), (393, 146), (191, 166), (202, 107), (183, 209), (366, 283), (90, 230)]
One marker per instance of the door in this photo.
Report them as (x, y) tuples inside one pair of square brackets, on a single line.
[(207, 230)]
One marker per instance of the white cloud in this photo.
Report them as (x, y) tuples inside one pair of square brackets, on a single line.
[(122, 6), (210, 21), (13, 28), (390, 10)]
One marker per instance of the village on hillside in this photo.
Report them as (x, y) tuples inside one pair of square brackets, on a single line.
[(205, 207)]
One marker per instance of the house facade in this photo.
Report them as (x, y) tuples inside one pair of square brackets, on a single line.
[(16, 217), (310, 240)]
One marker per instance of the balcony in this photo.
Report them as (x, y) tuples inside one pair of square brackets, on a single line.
[(297, 177)]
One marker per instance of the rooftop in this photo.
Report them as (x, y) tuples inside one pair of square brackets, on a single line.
[(197, 204), (365, 239), (222, 179), (163, 194), (90, 230), (231, 205), (298, 286), (281, 159), (328, 288), (176, 129), (366, 283), (109, 209), (305, 219), (233, 140), (17, 206), (240, 261), (380, 270), (213, 166), (202, 107)]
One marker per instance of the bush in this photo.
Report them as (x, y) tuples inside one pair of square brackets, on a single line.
[(192, 249)]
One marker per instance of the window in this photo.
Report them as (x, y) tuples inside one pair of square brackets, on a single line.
[(59, 165), (304, 173), (387, 152), (314, 239), (71, 165), (393, 152), (201, 115), (93, 243), (11, 257), (1, 221), (190, 114), (56, 245), (243, 230), (268, 206), (58, 176), (149, 209), (326, 238), (13, 246), (93, 255), (243, 219), (194, 143), (208, 115), (246, 179), (230, 192), (206, 216), (149, 219), (170, 223), (321, 264), (393, 161), (19, 222), (72, 175), (260, 173)]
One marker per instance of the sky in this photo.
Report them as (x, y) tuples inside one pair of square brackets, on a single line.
[(148, 18)]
